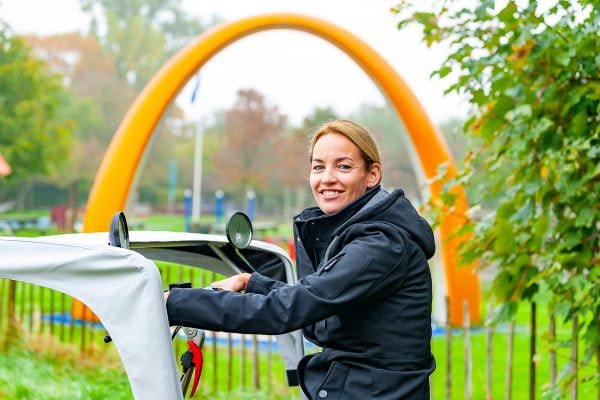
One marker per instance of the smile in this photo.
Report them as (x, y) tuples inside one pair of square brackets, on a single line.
[(329, 193)]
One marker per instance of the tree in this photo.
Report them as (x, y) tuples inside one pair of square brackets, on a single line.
[(531, 72), (34, 136), (97, 102), (141, 34), (248, 155)]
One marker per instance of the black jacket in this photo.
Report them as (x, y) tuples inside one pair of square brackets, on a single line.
[(363, 295)]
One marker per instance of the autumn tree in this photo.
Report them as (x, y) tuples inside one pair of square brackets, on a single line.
[(247, 156), (531, 72), (34, 137)]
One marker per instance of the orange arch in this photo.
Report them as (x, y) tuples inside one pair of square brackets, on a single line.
[(111, 186)]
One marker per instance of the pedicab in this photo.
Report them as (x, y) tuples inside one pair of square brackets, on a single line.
[(114, 274)]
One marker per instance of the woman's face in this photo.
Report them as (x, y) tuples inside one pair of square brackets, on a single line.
[(338, 173)]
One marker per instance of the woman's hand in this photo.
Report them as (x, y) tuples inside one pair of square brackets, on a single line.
[(235, 283)]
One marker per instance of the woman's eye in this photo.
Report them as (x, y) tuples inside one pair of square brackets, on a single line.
[(317, 168), (344, 167)]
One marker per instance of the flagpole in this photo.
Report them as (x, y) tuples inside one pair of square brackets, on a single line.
[(197, 184), (199, 140)]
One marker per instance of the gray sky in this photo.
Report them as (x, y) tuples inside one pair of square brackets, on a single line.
[(294, 70)]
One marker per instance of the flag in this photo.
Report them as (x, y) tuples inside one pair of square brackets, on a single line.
[(196, 87)]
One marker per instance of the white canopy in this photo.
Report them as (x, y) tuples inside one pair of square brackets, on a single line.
[(105, 279)]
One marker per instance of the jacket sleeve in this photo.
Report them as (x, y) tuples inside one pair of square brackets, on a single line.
[(357, 274), (261, 284)]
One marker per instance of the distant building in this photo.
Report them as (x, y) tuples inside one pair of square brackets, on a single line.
[(4, 167)]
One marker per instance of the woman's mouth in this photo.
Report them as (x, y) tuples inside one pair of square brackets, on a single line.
[(330, 193)]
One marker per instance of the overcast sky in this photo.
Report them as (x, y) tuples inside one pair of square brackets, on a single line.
[(294, 70)]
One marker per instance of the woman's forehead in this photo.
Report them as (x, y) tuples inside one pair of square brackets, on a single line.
[(335, 145)]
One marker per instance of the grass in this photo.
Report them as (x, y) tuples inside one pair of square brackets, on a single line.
[(31, 373), (42, 367)]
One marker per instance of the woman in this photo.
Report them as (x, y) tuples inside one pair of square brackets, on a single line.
[(364, 287)]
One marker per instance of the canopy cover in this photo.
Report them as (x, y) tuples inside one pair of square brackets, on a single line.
[(120, 286)]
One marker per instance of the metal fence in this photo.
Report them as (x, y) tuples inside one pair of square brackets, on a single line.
[(232, 363), (506, 361), (510, 361)]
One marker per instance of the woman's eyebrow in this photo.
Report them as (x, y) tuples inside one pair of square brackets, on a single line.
[(336, 160)]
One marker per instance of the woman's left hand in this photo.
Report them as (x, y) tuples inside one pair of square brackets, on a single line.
[(235, 283)]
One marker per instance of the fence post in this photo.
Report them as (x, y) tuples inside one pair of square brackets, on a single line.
[(243, 361), (532, 350), (255, 364), (229, 363), (489, 351), (62, 317), (509, 360), (22, 289), (468, 361), (574, 358), (552, 355), (598, 368), (269, 365), (31, 308), (448, 352), (51, 312), (2, 293)]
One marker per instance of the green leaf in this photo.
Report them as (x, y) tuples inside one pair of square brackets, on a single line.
[(508, 12), (586, 217), (523, 111), (505, 240), (579, 123)]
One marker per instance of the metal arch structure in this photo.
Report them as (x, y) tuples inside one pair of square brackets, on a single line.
[(119, 165)]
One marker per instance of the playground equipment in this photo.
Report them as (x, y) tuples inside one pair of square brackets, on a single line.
[(119, 165)]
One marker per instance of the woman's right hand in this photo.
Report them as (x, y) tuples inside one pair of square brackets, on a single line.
[(235, 283)]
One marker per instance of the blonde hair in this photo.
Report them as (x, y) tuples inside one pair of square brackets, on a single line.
[(369, 149)]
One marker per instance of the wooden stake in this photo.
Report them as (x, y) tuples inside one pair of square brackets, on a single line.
[(509, 359), (489, 351), (448, 352), (532, 348), (552, 355), (574, 357), (468, 360)]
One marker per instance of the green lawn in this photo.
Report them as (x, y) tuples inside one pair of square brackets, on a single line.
[(31, 373)]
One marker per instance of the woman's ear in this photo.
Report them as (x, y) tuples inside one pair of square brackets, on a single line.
[(374, 175)]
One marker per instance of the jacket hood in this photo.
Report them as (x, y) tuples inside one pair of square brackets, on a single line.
[(381, 205)]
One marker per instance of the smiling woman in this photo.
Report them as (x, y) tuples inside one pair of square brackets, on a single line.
[(364, 290), (345, 162)]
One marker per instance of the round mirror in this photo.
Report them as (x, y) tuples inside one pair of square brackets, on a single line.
[(239, 230), (118, 233)]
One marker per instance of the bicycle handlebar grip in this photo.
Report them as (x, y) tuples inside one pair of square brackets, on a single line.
[(184, 285)]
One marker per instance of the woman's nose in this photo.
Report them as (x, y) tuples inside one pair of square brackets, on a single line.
[(329, 176)]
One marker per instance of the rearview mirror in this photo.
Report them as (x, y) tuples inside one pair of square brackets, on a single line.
[(239, 230), (118, 232)]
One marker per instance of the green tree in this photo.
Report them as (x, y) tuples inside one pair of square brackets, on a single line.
[(531, 72), (97, 102), (34, 136), (140, 34)]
